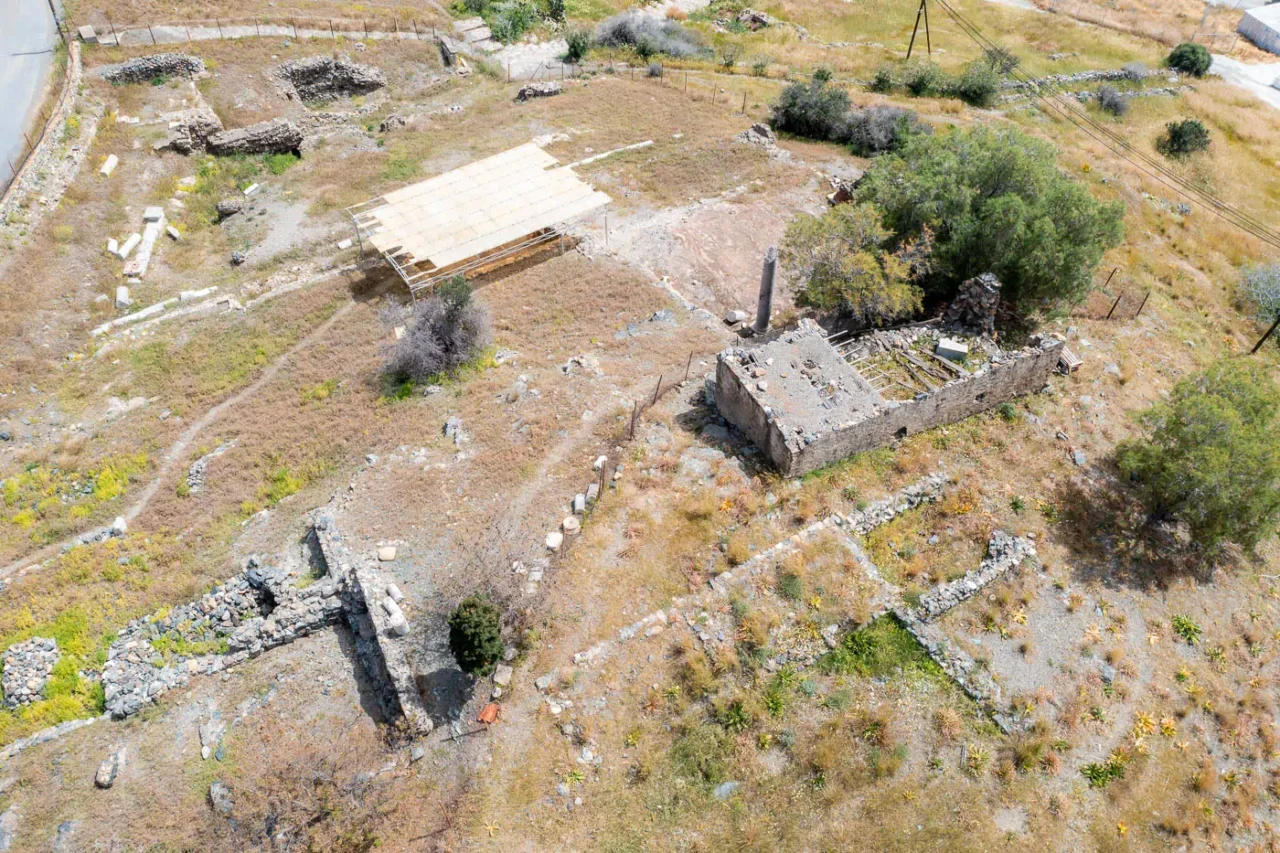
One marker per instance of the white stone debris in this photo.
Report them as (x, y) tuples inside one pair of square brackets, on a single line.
[(109, 165)]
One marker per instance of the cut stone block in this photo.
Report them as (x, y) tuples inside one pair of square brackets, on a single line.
[(88, 34), (109, 165), (112, 246), (734, 317), (130, 244), (188, 182), (571, 524), (173, 233), (345, 244), (153, 214), (580, 503), (122, 297), (251, 189), (952, 349), (554, 540), (387, 552)]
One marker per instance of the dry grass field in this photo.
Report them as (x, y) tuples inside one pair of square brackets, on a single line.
[(763, 737)]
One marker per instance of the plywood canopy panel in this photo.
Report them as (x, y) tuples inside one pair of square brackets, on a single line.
[(479, 207)]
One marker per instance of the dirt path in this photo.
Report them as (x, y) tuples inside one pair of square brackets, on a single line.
[(178, 449)]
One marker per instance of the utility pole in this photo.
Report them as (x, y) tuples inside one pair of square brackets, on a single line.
[(922, 11)]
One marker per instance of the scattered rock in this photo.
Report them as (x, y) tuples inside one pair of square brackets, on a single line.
[(386, 553), (229, 207), (220, 799), (544, 89), (502, 675), (109, 769), (725, 790)]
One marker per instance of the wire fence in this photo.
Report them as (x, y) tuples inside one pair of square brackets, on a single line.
[(42, 129), (1121, 304), (1140, 23)]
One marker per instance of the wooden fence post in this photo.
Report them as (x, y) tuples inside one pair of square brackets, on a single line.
[(688, 365), (1143, 305), (1113, 306), (657, 391)]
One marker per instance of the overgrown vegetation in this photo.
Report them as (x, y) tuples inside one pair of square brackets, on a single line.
[(1211, 459), (447, 329), (475, 635), (882, 648), (820, 110), (995, 201), (977, 85), (649, 36), (840, 261), (1260, 286)]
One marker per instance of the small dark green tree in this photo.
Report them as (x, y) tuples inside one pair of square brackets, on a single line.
[(579, 42), (1211, 459), (475, 635), (1183, 138), (1193, 59), (978, 85)]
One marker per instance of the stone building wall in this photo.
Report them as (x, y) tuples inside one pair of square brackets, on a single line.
[(1025, 374), (1021, 373)]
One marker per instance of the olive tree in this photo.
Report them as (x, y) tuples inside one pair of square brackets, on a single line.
[(1210, 458), (995, 201)]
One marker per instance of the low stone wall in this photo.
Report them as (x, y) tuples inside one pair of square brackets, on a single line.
[(279, 135), (146, 68), (382, 652), (319, 78), (257, 610), (1004, 552)]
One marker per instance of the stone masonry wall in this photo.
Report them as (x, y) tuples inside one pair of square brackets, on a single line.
[(738, 406), (1025, 373)]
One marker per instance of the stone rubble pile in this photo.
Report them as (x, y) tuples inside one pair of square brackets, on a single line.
[(256, 610), (320, 78), (758, 134), (146, 68), (279, 135), (975, 305), (1004, 552), (26, 669), (190, 130), (888, 340), (546, 89), (1053, 81)]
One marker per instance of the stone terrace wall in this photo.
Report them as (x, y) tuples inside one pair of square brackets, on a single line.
[(1025, 373)]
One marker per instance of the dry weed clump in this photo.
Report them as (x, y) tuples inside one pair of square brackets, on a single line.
[(948, 723)]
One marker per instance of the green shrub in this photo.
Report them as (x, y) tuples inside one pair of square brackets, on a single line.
[(1186, 628), (881, 648), (1193, 59), (509, 20), (978, 85), (579, 41), (699, 754), (790, 586), (816, 110), (278, 164), (884, 80), (555, 10), (475, 635), (923, 78), (1183, 138)]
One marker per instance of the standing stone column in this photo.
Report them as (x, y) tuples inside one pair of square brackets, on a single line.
[(765, 306)]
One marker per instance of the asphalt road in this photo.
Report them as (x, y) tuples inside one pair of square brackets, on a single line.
[(27, 36)]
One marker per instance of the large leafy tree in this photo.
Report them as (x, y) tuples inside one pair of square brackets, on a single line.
[(1212, 459), (996, 202), (839, 262)]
